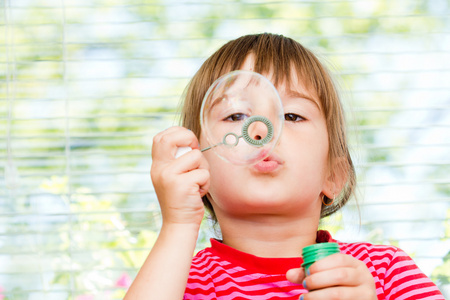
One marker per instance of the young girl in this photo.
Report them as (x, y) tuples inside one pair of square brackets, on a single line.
[(269, 211)]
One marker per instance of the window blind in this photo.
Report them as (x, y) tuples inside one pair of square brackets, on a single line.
[(85, 85)]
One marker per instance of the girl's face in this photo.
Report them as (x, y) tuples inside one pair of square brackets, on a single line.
[(292, 178)]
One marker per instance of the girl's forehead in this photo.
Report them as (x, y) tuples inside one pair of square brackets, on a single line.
[(297, 88), (294, 84)]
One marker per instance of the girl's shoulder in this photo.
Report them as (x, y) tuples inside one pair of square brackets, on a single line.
[(395, 272), (367, 252), (382, 259), (381, 252)]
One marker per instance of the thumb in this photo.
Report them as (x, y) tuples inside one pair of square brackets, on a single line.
[(295, 275)]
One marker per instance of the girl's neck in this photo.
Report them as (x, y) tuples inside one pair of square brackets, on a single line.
[(269, 236)]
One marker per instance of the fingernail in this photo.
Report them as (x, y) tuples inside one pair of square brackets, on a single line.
[(304, 284), (301, 297), (308, 272)]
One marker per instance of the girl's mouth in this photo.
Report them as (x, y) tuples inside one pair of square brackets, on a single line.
[(269, 164)]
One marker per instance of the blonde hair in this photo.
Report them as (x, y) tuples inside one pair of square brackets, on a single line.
[(278, 54)]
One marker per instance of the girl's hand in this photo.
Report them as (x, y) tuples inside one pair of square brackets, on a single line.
[(180, 183), (338, 276)]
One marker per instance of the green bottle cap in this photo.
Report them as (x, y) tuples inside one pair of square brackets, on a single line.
[(315, 252)]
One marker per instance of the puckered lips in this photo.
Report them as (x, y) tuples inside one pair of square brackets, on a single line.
[(269, 164)]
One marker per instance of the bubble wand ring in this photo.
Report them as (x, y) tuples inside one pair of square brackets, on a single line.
[(246, 136), (249, 139)]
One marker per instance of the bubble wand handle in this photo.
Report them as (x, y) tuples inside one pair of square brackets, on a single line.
[(245, 135)]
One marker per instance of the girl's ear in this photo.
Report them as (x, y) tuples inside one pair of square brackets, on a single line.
[(336, 179)]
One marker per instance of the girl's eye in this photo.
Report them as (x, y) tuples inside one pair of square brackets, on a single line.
[(235, 117), (293, 117)]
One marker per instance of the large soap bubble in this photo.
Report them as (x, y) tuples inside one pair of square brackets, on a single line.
[(242, 117)]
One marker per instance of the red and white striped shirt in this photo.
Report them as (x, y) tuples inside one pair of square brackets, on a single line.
[(221, 272)]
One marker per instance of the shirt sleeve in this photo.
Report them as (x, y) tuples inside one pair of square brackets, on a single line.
[(404, 280)]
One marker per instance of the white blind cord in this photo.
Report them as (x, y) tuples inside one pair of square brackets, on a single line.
[(67, 149), (11, 173)]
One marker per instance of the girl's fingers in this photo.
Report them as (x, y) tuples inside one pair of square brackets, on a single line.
[(334, 277), (339, 276), (341, 293), (166, 143), (337, 269), (334, 261), (200, 180), (190, 169), (295, 275), (190, 161)]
